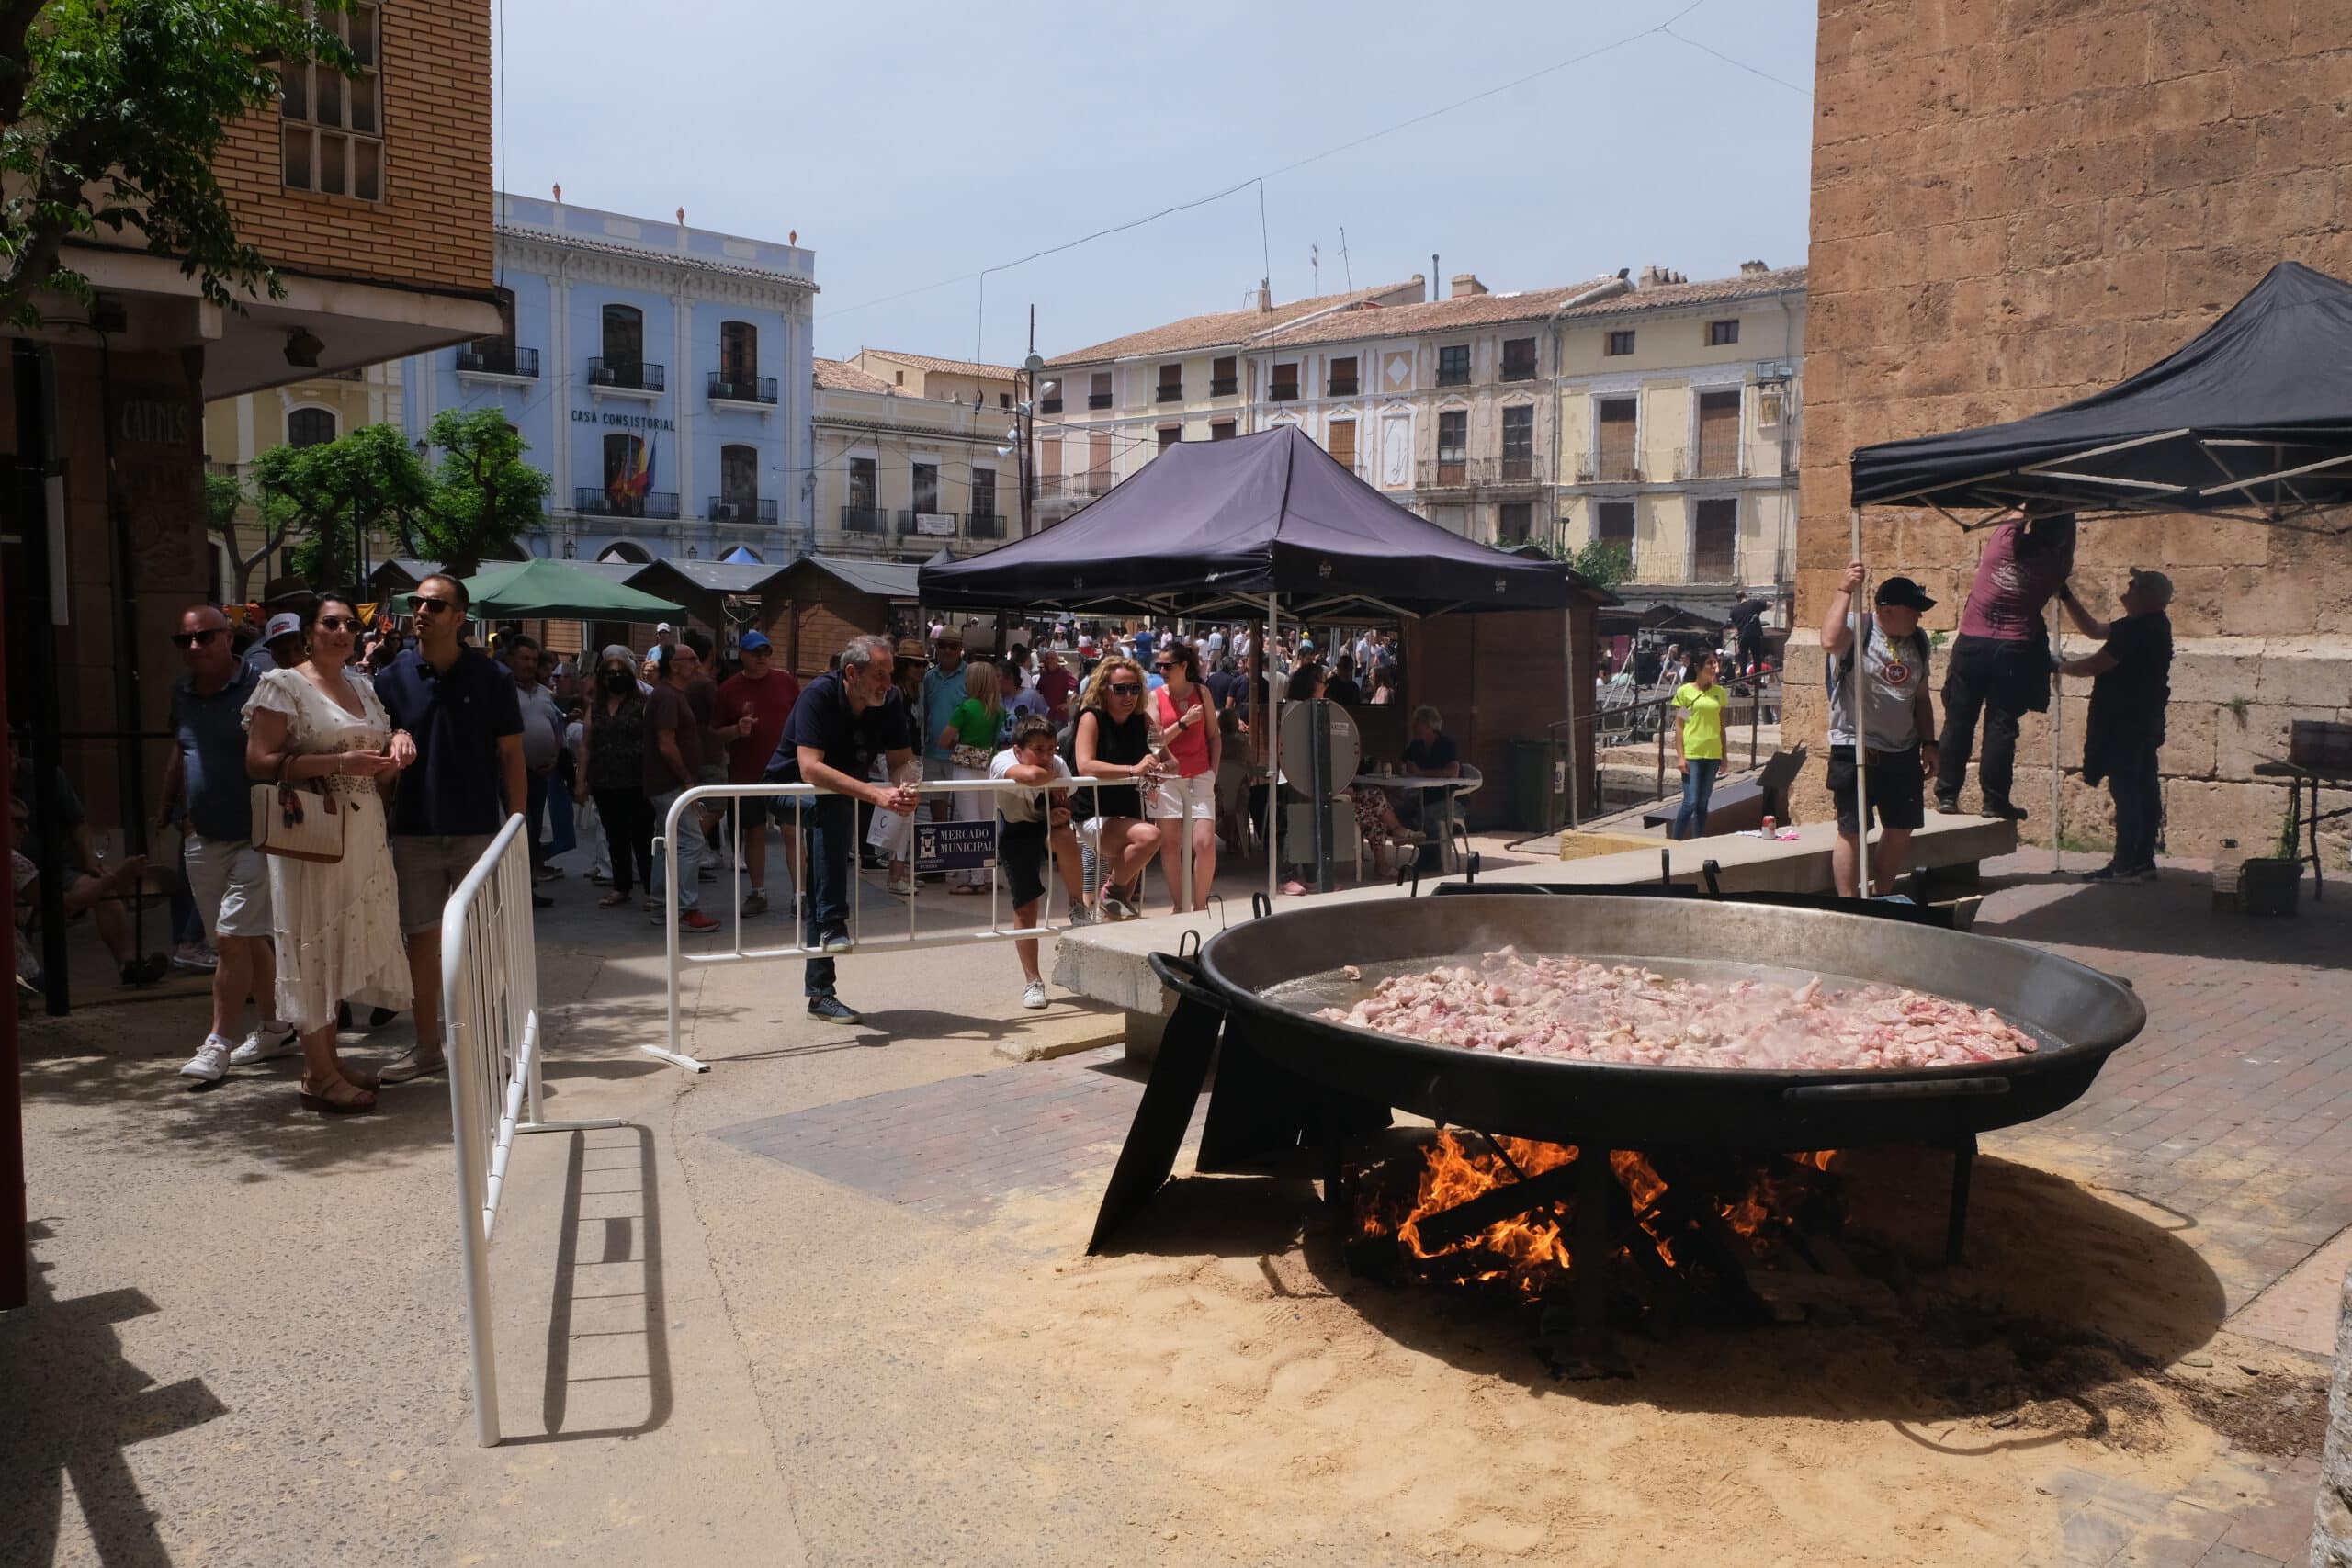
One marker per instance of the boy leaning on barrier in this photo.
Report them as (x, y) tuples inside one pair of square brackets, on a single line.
[(1028, 821)]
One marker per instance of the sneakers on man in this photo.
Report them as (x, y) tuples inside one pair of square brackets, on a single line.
[(270, 1040), (694, 922), (900, 888), (1032, 995), (413, 1062), (755, 902), (2110, 872), (194, 955), (2005, 811), (211, 1061), (1947, 807), (832, 1010), (835, 941), (146, 971), (1080, 915)]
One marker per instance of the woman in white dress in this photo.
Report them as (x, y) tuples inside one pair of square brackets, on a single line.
[(337, 925)]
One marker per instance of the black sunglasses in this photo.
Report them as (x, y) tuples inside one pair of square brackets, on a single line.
[(420, 603), (1125, 689), (339, 623), (197, 639)]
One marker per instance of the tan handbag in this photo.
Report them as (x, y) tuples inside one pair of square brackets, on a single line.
[(297, 823)]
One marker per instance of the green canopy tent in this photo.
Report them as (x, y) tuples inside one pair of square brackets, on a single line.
[(558, 591)]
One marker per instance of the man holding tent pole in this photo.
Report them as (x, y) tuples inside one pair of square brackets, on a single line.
[(1897, 720)]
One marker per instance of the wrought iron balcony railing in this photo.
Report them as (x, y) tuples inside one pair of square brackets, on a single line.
[(629, 375), (747, 390), (497, 359), (724, 510), (660, 504)]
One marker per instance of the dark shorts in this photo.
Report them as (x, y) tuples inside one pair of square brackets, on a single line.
[(1021, 855), (1897, 788), (762, 809)]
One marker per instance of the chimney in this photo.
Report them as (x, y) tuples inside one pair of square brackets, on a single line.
[(1652, 275), (1265, 297), (1465, 285), (1750, 268)]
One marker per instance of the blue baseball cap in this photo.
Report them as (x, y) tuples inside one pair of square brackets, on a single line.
[(751, 640)]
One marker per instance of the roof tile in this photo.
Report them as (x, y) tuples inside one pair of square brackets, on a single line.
[(1707, 291), (1468, 312), (1219, 329), (949, 367), (839, 376)]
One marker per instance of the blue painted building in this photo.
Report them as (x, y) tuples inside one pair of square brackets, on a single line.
[(660, 374)]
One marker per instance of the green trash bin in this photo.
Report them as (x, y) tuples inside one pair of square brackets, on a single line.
[(1539, 786)]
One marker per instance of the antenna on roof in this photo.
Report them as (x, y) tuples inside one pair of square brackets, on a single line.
[(1347, 271), (1315, 264)]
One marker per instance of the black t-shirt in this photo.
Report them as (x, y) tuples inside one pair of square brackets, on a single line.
[(1439, 753), (850, 740), (1223, 687), (2128, 701), (456, 718), (1343, 689)]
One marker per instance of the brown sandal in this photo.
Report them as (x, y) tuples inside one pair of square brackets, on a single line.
[(613, 901), (338, 1097)]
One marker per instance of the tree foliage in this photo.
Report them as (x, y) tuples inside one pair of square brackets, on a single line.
[(485, 497), (1605, 564), (369, 479), (225, 498)]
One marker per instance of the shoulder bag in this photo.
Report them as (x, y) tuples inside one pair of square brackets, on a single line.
[(296, 823)]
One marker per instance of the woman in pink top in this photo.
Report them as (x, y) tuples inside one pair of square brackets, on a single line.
[(1999, 665), (1188, 794)]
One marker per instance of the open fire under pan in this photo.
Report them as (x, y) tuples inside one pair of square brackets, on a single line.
[(1287, 1078)]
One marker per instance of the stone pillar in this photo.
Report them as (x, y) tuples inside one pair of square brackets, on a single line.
[(2332, 1526)]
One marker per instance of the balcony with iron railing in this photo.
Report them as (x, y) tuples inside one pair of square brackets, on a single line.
[(1480, 473), (1608, 468), (498, 359), (1343, 386), (725, 389), (1224, 386), (1171, 392), (739, 509), (1098, 399), (1049, 405), (626, 375), (984, 526), (859, 519), (1453, 377), (1709, 460), (1283, 393), (1088, 484), (595, 501)]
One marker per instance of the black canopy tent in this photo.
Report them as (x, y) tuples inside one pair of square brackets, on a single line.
[(1260, 523), (2250, 420)]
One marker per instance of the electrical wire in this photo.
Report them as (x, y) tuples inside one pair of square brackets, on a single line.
[(1740, 65)]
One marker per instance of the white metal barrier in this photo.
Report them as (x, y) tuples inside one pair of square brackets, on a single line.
[(489, 1033), (736, 952)]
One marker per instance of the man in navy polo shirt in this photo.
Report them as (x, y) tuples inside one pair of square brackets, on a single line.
[(841, 721), (460, 706)]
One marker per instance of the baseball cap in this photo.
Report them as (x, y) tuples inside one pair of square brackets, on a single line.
[(752, 640), (282, 623), (666, 627), (1903, 591)]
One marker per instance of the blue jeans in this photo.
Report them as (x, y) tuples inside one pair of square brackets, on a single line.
[(1698, 784), (691, 848), (830, 821), (562, 839)]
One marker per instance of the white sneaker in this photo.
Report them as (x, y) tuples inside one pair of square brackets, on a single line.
[(1032, 995), (211, 1062), (270, 1040)]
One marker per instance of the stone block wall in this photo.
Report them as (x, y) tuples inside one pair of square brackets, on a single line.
[(2016, 203)]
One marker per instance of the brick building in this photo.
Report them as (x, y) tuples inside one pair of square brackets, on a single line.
[(370, 195), (2015, 205)]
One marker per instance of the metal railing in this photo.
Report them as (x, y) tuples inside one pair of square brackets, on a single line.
[(1098, 399), (1170, 392), (1283, 393), (635, 375), (723, 510), (659, 505), (1626, 715), (1480, 473), (911, 520), (984, 526), (1088, 484), (1341, 387), (1452, 377), (1708, 460), (679, 960), (742, 390), (498, 359), (1516, 371), (1224, 386), (1049, 405), (491, 1037), (864, 519), (1611, 469)]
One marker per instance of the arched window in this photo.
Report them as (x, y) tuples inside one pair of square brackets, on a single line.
[(310, 427), (624, 339), (739, 353), (623, 553)]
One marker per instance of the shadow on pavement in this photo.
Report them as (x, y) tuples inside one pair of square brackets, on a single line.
[(74, 1406), (2173, 915)]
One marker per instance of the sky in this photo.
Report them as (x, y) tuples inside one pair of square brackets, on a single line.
[(911, 144)]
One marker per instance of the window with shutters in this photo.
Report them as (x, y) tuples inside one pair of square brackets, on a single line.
[(1612, 524), (1225, 376), (1715, 541), (1098, 395), (738, 356), (331, 127), (861, 482), (1718, 434), (1619, 342), (624, 337), (1220, 430), (1343, 378), (1453, 447), (738, 480), (1285, 384), (1514, 521), (1171, 383), (984, 514), (1169, 435), (1453, 365), (1049, 466), (1519, 444), (1722, 334), (925, 477), (310, 427), (1519, 359), (1343, 442), (1098, 465), (1616, 462)]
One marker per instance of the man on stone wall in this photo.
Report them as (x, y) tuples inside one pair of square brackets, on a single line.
[(2130, 685), (2000, 662)]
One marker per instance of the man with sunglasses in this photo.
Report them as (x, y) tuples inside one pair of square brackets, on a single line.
[(461, 709)]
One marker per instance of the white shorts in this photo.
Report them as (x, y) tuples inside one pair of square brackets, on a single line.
[(228, 879), (1178, 797)]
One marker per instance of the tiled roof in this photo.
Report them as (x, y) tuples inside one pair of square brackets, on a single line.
[(1217, 330), (883, 579), (839, 376), (1469, 311), (1707, 291), (948, 366)]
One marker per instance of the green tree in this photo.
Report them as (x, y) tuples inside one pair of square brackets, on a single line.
[(111, 115), (1603, 563), (224, 497), (485, 497), (368, 481)]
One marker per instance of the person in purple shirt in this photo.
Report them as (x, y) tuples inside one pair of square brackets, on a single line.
[(2000, 660)]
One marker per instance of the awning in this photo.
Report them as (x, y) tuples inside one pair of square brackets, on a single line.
[(554, 589)]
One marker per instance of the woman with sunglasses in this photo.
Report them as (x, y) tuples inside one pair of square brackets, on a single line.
[(338, 924), (1114, 739), (1186, 802), (611, 768)]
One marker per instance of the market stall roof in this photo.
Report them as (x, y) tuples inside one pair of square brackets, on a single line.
[(711, 576), (560, 590), (882, 578), (1211, 523), (2252, 417)]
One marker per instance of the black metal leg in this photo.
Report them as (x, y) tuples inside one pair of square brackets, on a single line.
[(2319, 881), (1964, 1166), (1148, 1156)]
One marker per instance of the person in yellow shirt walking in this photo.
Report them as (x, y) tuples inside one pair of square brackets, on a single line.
[(1698, 744)]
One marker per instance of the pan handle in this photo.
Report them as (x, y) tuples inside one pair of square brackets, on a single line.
[(1902, 1089), (1181, 974)]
